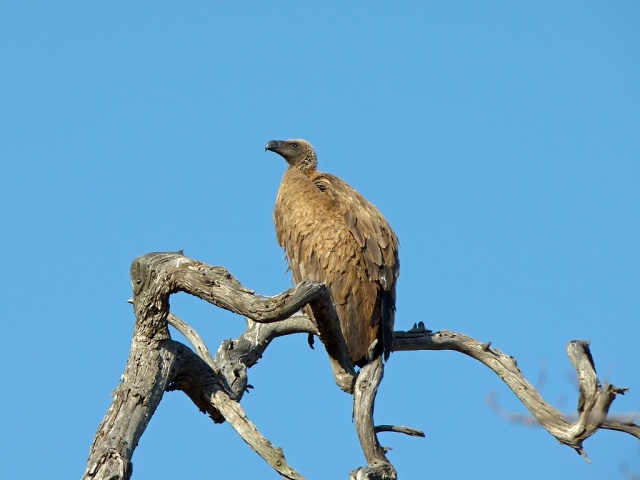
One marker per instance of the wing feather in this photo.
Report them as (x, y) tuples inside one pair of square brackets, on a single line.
[(332, 234)]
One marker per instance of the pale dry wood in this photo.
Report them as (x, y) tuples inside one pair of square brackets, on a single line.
[(146, 375), (620, 422), (412, 432), (157, 363), (235, 357), (194, 338), (218, 287), (364, 397), (149, 370), (594, 401), (202, 385)]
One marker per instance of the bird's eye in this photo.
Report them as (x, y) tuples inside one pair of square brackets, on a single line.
[(294, 145)]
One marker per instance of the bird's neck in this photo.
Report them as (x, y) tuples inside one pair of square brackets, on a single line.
[(308, 162), (306, 167)]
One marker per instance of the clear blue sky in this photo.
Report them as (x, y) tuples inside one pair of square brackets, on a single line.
[(500, 139)]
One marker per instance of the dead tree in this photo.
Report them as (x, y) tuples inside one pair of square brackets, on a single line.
[(216, 384)]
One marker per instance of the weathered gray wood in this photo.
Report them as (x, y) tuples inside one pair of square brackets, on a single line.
[(364, 397), (412, 432), (202, 385), (148, 372), (218, 287), (216, 385), (235, 357), (156, 363), (594, 401)]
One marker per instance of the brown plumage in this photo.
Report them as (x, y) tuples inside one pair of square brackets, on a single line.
[(333, 235)]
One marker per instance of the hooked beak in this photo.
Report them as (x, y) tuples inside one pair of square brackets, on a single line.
[(273, 145)]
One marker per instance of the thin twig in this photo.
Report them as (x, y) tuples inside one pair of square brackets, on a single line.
[(413, 432)]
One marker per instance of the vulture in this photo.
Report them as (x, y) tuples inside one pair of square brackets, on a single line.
[(331, 234)]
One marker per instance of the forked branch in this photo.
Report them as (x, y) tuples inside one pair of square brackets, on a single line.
[(593, 403), (218, 287), (157, 364), (216, 384)]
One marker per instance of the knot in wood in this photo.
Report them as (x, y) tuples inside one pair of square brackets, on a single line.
[(139, 273), (363, 384)]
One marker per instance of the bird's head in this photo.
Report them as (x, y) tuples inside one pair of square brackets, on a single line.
[(298, 153)]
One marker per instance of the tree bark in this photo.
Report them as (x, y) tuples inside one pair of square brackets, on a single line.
[(217, 383), (593, 404)]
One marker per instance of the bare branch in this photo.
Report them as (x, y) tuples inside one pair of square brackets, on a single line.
[(621, 426), (198, 380), (194, 338), (412, 432), (235, 357), (156, 363), (594, 400), (218, 287), (148, 372), (216, 385), (619, 422), (364, 396)]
